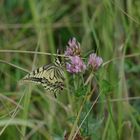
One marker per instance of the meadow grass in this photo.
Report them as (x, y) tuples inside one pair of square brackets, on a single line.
[(104, 105)]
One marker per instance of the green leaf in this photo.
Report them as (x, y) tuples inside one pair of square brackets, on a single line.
[(81, 91), (106, 87)]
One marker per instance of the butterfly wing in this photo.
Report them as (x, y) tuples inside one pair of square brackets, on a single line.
[(51, 77)]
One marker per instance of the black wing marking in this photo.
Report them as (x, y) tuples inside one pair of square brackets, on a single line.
[(51, 76)]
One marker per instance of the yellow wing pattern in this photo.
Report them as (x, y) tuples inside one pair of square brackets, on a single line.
[(51, 76)]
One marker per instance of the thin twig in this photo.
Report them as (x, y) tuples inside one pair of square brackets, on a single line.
[(121, 99), (31, 26), (43, 53), (10, 100), (12, 116), (125, 13), (116, 58), (13, 65), (85, 117), (30, 52)]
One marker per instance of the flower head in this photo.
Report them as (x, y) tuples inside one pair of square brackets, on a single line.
[(76, 65), (95, 61), (73, 47)]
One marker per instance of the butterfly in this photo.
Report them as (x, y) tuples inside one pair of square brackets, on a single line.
[(50, 76)]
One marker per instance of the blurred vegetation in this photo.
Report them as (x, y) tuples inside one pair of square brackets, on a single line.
[(109, 27)]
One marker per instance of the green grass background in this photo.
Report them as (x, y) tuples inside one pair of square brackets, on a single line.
[(109, 27)]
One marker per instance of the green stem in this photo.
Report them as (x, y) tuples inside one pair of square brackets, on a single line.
[(26, 108), (111, 115), (77, 119)]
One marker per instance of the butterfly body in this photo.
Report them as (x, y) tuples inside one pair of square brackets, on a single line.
[(51, 76)]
